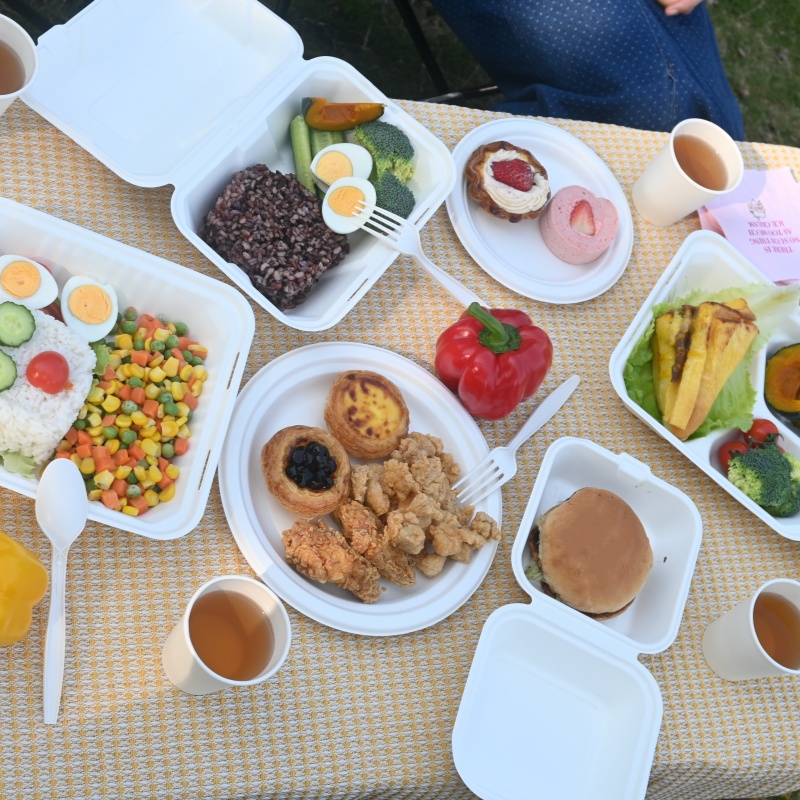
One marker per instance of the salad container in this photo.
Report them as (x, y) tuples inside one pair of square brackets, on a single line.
[(153, 285), (557, 704), (169, 92), (709, 262)]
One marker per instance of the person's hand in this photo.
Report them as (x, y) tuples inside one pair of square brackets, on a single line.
[(673, 7)]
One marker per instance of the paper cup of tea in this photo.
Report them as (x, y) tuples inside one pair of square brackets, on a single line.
[(234, 632), (699, 162), (759, 637), (19, 61)]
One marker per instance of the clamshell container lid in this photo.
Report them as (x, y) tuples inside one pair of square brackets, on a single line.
[(556, 704)]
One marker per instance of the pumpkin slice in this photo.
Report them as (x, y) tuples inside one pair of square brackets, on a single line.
[(782, 382)]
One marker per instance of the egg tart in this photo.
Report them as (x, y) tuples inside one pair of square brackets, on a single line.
[(507, 181), (366, 412), (306, 469)]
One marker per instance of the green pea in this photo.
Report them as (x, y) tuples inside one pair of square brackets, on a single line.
[(110, 432), (129, 407), (135, 383), (181, 328), (172, 409), (80, 424), (165, 397), (197, 361), (133, 490), (128, 327), (156, 346), (167, 449), (131, 479), (91, 485), (172, 341), (189, 414), (188, 355), (138, 344), (128, 436), (130, 313)]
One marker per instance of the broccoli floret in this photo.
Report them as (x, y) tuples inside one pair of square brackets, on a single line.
[(393, 195), (769, 477), (390, 148)]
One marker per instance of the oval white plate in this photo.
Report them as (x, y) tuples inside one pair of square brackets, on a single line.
[(514, 253), (292, 390)]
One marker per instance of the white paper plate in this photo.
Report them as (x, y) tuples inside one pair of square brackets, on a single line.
[(514, 253), (291, 390)]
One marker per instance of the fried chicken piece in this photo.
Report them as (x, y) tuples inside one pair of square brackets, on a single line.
[(404, 531), (429, 564), (424, 508), (366, 535), (416, 446), (321, 553), (485, 527), (368, 488), (430, 478), (445, 536), (464, 555), (397, 480)]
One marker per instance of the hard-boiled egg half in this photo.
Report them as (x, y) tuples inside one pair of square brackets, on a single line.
[(340, 161), (341, 209), (25, 282), (89, 307)]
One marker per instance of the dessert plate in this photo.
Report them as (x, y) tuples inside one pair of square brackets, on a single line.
[(514, 253), (292, 390)]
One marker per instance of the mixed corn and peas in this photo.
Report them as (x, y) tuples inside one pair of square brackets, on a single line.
[(135, 420)]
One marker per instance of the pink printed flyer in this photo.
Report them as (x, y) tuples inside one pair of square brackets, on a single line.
[(761, 218)]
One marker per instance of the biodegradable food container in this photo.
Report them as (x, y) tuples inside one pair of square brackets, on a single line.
[(155, 286), (169, 92), (708, 261), (556, 703)]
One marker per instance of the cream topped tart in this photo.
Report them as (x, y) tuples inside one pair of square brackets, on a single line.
[(507, 181)]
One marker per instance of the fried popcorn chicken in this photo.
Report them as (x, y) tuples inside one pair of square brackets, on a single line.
[(366, 535), (429, 564), (397, 480), (404, 531), (368, 488), (321, 553)]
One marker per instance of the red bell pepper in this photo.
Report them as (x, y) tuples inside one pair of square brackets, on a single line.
[(493, 359)]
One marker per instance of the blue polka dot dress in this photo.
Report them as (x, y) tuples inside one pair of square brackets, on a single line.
[(618, 61)]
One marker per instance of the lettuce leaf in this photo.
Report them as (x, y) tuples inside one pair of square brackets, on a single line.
[(17, 463), (733, 407)]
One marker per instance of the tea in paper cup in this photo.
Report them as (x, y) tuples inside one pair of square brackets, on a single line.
[(699, 162), (19, 61), (234, 632), (759, 637)]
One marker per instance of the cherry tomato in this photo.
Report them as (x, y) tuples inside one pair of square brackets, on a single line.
[(48, 371), (728, 450), (762, 430)]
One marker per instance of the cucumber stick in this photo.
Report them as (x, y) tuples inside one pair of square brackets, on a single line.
[(322, 139), (301, 150)]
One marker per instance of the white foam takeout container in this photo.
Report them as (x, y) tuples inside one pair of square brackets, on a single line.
[(169, 92), (152, 285), (708, 261), (556, 704)]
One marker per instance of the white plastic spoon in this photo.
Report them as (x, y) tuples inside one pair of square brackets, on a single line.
[(61, 510)]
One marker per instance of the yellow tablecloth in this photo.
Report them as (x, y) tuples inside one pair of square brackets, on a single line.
[(350, 716)]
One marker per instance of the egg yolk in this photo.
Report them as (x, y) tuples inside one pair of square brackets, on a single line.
[(90, 304), (334, 165), (344, 200), (20, 279)]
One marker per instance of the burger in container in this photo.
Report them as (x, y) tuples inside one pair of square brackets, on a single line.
[(164, 92), (556, 703)]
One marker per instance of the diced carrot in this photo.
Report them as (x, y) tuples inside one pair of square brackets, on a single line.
[(181, 446), (145, 320), (139, 503), (136, 452), (84, 438), (124, 392), (121, 458), (110, 499), (140, 357), (62, 454), (100, 451), (190, 400), (105, 385), (109, 419), (84, 450), (109, 374), (71, 435), (106, 463), (120, 487), (162, 463), (138, 396), (184, 342), (177, 353), (150, 408), (164, 482)]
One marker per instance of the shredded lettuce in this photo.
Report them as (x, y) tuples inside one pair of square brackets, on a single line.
[(17, 463), (733, 407), (102, 354)]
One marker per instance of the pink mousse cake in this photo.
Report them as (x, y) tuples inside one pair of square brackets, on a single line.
[(577, 226)]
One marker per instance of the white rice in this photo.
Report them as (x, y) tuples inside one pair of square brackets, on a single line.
[(33, 422)]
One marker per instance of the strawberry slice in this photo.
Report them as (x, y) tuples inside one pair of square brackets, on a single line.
[(517, 174), (582, 219)]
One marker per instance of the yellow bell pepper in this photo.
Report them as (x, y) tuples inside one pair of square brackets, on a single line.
[(23, 582)]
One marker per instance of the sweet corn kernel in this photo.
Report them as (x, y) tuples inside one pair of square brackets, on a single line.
[(87, 466), (150, 447), (113, 446), (95, 494), (93, 409), (169, 428), (76, 460), (140, 473), (200, 372), (171, 366), (160, 413), (63, 446), (131, 511), (186, 372), (94, 419), (152, 461), (111, 403), (152, 498), (147, 342), (98, 440), (123, 341), (123, 421), (161, 334), (137, 371), (178, 391), (122, 472), (167, 494), (197, 388), (114, 361), (156, 360), (172, 471), (95, 430), (138, 418), (151, 391), (154, 473), (151, 423), (104, 479), (183, 409), (146, 434), (95, 395), (157, 374), (124, 371), (184, 432)]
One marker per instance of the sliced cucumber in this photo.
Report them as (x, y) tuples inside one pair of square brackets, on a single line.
[(301, 150), (8, 371), (322, 139), (16, 324)]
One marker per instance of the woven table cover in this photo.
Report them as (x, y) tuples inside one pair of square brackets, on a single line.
[(351, 716)]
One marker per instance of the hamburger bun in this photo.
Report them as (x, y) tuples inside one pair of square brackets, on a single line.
[(593, 552)]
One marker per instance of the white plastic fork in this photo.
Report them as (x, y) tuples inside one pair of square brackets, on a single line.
[(501, 464), (403, 236)]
